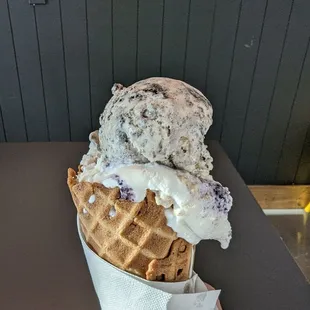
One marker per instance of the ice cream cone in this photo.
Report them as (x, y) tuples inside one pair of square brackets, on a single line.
[(133, 236)]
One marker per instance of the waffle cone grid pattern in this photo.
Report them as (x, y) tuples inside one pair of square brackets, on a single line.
[(132, 236)]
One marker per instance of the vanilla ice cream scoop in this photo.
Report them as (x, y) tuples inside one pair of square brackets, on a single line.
[(195, 209), (157, 120)]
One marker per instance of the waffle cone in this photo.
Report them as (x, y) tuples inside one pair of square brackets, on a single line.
[(132, 236)]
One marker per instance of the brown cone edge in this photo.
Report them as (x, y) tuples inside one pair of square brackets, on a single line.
[(132, 236)]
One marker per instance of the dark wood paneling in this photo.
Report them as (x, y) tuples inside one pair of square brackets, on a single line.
[(285, 91), (303, 172), (297, 128), (199, 42), (125, 14), (226, 22), (266, 71), (60, 60), (53, 70), (12, 123), (149, 38), (244, 63), (73, 15), (99, 16), (29, 67), (175, 25)]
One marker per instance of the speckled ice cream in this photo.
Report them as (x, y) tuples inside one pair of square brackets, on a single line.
[(157, 120)]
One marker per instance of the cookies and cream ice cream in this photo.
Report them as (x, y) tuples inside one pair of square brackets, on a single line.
[(157, 120), (152, 138)]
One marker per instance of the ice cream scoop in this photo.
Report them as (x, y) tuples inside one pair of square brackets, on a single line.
[(195, 209), (157, 120), (152, 138)]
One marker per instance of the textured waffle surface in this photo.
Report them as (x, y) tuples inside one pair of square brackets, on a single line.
[(132, 236)]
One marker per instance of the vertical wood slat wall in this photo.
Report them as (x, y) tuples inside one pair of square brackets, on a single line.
[(251, 58)]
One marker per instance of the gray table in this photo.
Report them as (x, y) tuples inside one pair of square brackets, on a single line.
[(42, 265)]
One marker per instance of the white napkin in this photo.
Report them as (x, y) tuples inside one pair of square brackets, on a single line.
[(120, 290)]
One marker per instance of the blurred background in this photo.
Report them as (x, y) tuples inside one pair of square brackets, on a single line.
[(59, 59)]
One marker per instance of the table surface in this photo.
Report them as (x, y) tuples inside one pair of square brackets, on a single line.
[(42, 262)]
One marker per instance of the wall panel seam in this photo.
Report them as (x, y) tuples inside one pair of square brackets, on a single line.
[(41, 71), (186, 39), (88, 65), (273, 91), (2, 120), (230, 70), (162, 38), (252, 82), (17, 71), (112, 40), (137, 38), (210, 47), (292, 107), (65, 68)]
